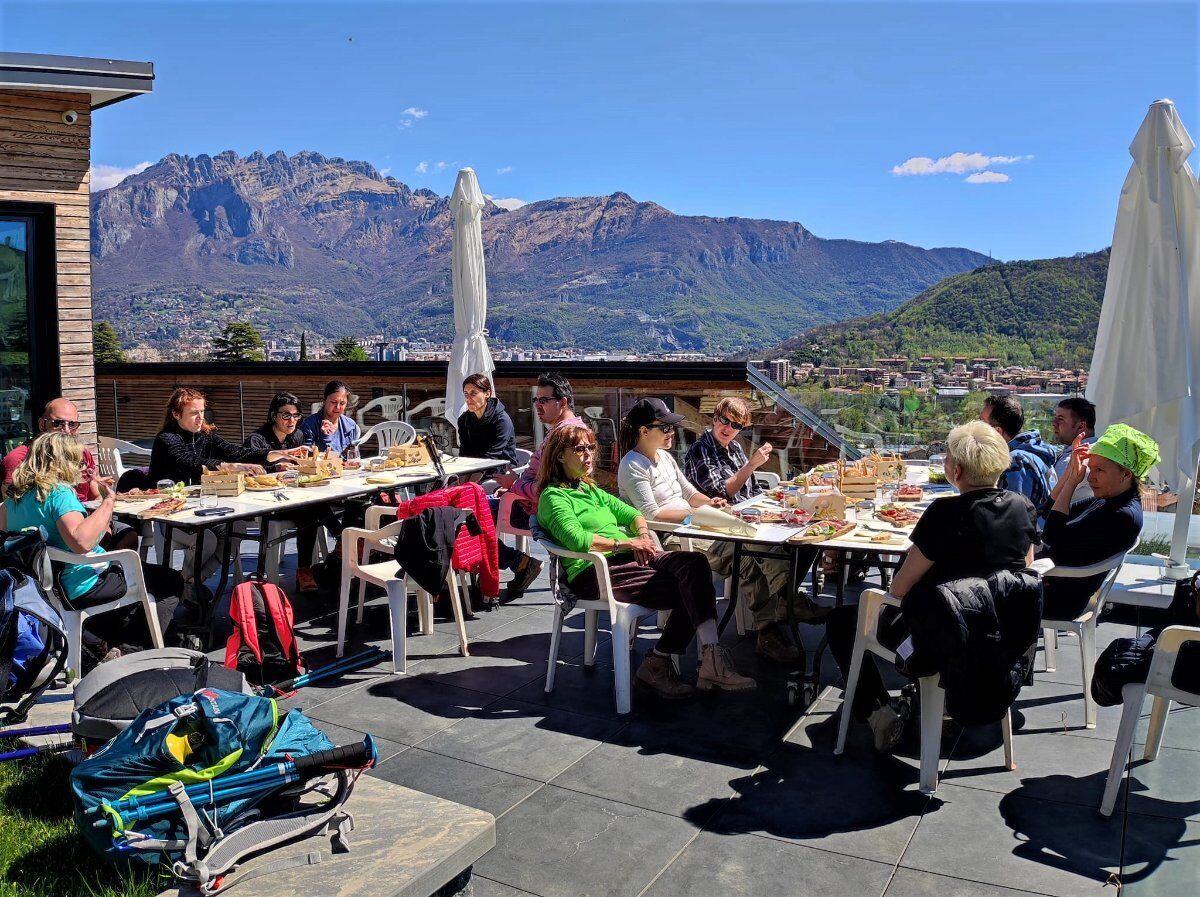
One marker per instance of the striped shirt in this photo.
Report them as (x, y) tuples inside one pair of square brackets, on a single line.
[(709, 464)]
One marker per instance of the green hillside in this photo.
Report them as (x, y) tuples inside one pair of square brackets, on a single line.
[(1040, 312)]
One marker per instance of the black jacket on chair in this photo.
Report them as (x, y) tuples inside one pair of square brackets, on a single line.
[(425, 544), (978, 635)]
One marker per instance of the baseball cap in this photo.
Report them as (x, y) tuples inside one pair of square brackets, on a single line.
[(650, 411)]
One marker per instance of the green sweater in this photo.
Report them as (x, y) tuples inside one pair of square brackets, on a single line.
[(571, 517)]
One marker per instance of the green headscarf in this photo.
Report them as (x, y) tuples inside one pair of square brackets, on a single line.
[(1132, 449)]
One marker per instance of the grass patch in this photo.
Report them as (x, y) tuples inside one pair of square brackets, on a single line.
[(41, 855), (1160, 546)]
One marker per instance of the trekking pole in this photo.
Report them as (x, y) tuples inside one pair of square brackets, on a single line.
[(61, 729), (203, 794), (361, 660), (34, 751)]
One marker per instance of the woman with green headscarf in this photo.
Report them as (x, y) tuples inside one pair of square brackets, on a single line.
[(1089, 531)]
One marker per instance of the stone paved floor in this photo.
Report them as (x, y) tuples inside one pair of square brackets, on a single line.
[(707, 798)]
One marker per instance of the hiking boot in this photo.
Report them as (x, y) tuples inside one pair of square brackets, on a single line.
[(887, 728), (773, 645), (657, 676), (522, 580), (306, 582), (716, 671), (808, 611)]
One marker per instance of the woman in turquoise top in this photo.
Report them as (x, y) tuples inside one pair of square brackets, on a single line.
[(42, 496), (580, 516)]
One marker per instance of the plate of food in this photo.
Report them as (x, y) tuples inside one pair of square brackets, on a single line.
[(266, 482), (823, 530), (138, 495), (907, 492), (897, 516), (165, 507), (380, 479), (312, 480)]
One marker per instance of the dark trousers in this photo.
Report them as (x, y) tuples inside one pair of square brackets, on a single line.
[(127, 626), (308, 521), (678, 581), (510, 558), (841, 628)]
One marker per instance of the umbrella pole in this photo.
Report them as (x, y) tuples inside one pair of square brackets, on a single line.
[(1177, 567)]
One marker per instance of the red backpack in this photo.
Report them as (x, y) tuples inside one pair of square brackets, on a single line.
[(262, 645)]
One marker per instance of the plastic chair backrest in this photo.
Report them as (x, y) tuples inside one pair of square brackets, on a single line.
[(765, 479), (428, 408), (389, 433), (389, 408), (108, 462), (1111, 566), (1162, 667)]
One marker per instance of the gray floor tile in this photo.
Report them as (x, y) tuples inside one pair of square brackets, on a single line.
[(485, 887), (1182, 730), (863, 804), (671, 783), (748, 866), (1162, 858), (465, 783), (577, 689), (911, 883), (1058, 707), (341, 735), (1049, 847), (525, 739), (1166, 786), (559, 843), (407, 709)]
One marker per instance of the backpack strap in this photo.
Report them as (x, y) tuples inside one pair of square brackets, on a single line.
[(283, 619), (245, 629)]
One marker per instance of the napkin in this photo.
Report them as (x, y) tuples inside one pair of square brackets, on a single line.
[(717, 520)]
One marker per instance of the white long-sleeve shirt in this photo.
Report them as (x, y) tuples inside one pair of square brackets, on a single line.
[(653, 486)]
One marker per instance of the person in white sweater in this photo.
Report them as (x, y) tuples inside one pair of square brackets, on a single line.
[(650, 480)]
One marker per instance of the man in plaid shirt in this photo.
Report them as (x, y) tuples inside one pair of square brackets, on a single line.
[(718, 466)]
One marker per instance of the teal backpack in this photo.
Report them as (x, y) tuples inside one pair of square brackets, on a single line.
[(205, 779)]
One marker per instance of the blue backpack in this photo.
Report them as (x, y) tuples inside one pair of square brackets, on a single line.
[(165, 790), (33, 639)]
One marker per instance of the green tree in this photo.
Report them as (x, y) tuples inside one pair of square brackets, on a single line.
[(303, 345), (106, 345), (346, 349), (239, 341)]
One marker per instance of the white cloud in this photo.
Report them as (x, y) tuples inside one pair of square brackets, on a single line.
[(986, 177), (955, 163), (441, 166), (422, 167), (105, 176), (507, 202), (415, 112), (505, 170)]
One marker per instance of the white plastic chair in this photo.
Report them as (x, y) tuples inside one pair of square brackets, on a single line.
[(766, 480), (933, 697), (135, 593), (1158, 685), (388, 433), (505, 526), (1084, 625), (624, 620), (357, 548), (429, 408), (389, 408)]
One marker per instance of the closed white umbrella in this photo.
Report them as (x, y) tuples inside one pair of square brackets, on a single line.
[(470, 354), (1146, 368)]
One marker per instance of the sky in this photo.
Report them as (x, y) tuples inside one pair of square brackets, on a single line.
[(1001, 127)]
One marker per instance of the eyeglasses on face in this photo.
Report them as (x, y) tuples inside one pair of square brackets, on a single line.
[(662, 428), (726, 422), (57, 423), (289, 415), (545, 400), (584, 448)]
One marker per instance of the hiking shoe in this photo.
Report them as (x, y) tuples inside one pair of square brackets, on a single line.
[(716, 671), (306, 582), (657, 676), (522, 580), (774, 646), (808, 611), (887, 728)]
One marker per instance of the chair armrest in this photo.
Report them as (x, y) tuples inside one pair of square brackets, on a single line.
[(376, 514), (1162, 667), (870, 607), (1056, 571), (127, 559)]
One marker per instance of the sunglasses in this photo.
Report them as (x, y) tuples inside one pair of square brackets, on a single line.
[(544, 400), (726, 422), (584, 448), (662, 428), (287, 415), (57, 423)]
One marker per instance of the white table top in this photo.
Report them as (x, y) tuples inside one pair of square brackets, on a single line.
[(255, 504), (1142, 585)]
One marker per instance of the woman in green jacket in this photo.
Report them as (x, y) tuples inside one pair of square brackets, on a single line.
[(580, 516)]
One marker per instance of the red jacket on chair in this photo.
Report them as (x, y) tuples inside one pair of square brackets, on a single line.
[(474, 554)]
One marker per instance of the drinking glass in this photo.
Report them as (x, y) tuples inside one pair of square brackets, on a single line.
[(350, 453), (165, 485), (207, 499)]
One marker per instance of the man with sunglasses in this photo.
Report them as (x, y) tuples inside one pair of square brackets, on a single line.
[(717, 465), (60, 415)]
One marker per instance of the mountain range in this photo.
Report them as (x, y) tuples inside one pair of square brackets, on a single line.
[(308, 242), (1042, 312)]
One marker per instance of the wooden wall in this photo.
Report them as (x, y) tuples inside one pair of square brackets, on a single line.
[(44, 160)]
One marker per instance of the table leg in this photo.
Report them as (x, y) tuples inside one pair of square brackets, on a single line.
[(802, 685), (263, 529), (735, 586)]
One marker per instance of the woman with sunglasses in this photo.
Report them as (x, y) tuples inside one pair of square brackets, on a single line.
[(580, 516)]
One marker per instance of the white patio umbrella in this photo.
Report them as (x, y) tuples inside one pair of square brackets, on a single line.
[(470, 353), (1146, 367)]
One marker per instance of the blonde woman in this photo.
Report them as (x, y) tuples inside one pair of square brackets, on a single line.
[(42, 496), (980, 531)]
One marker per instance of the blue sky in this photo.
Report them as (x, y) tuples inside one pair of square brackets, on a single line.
[(800, 112)]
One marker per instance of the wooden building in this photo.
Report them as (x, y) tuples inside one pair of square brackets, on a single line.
[(46, 106)]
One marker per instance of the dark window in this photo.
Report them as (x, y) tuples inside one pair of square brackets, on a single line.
[(29, 356)]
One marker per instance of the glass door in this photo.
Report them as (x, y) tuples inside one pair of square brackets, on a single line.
[(16, 376)]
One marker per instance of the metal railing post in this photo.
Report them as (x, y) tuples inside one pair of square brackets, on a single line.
[(116, 413)]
